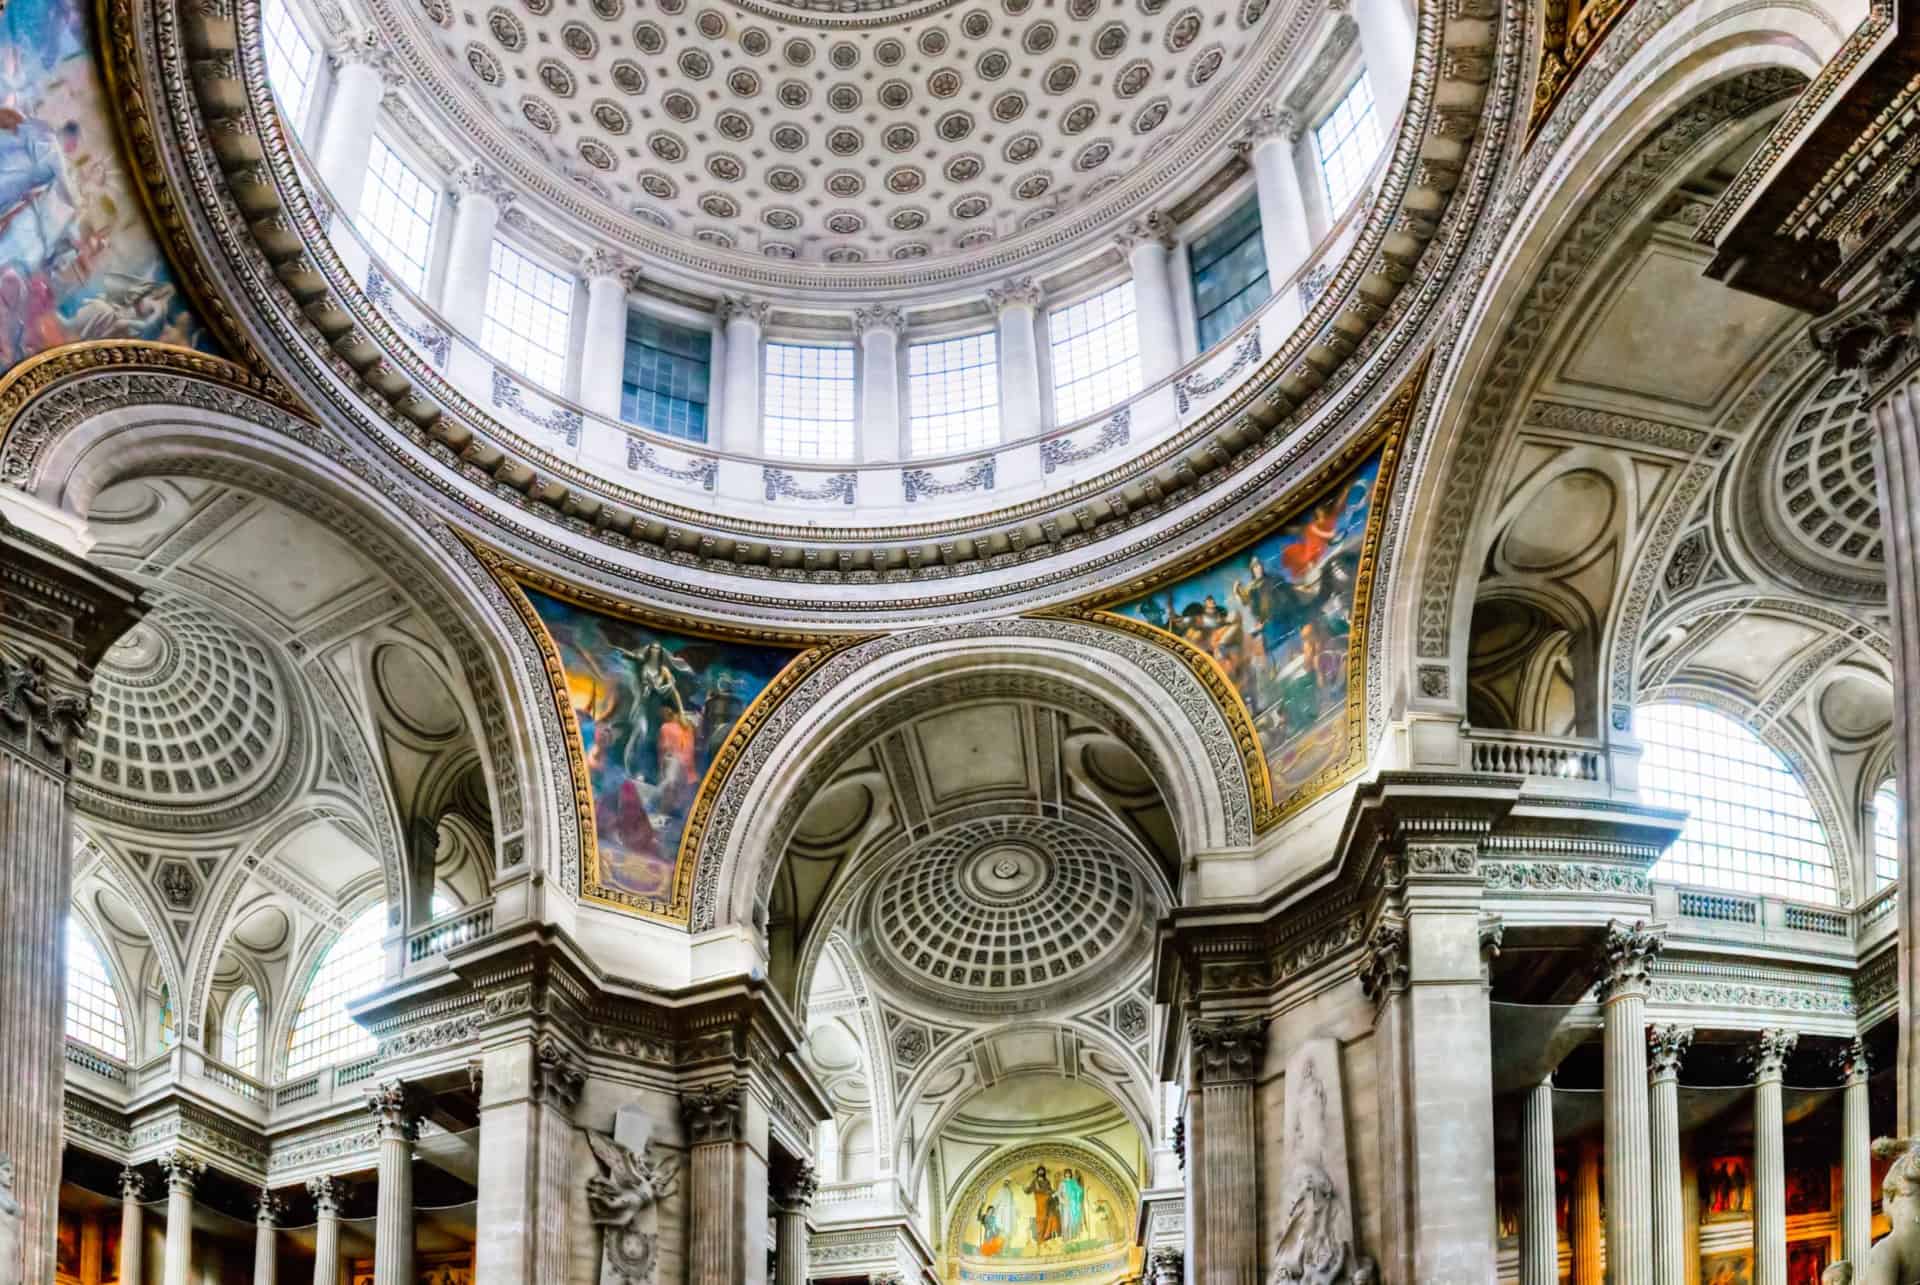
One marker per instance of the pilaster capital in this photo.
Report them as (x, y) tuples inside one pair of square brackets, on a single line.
[(733, 307), (1269, 124), (713, 1114), (1771, 1048), (476, 180), (397, 1108), (183, 1171), (1878, 340), (1853, 1062), (880, 319), (365, 48), (132, 1185), (1493, 931), (1667, 1046), (328, 1193), (793, 1191), (1151, 228), (268, 1208), (1627, 959), (557, 1078), (37, 712), (605, 264), (1166, 1266), (1022, 292), (1228, 1050), (1384, 964)]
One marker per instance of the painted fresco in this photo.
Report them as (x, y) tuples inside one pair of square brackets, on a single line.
[(77, 260), (1735, 1268), (1041, 1211), (653, 708), (1726, 1188), (1278, 618), (1807, 1260)]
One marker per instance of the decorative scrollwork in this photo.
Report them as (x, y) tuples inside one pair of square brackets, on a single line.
[(1190, 389), (1058, 451), (782, 485), (560, 421), (432, 340), (919, 481), (704, 469)]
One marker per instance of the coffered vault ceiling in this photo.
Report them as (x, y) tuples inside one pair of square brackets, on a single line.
[(845, 133)]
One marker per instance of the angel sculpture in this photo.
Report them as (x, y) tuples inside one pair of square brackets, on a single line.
[(627, 1186), (1895, 1257), (12, 1215)]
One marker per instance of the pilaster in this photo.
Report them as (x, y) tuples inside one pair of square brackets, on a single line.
[(1222, 1141), (727, 1211)]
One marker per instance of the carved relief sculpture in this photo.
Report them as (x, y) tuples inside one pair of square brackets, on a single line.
[(623, 1201), (1315, 1243)]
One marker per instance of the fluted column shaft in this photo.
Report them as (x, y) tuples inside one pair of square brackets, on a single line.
[(792, 1202), (1667, 1045), (1148, 244), (394, 1106), (603, 353), (1223, 1160), (881, 396), (727, 1206), (527, 1094), (346, 132), (1018, 308), (183, 1172), (1285, 234), (266, 1241), (1539, 1234), (1856, 1161), (1583, 1218), (1629, 953), (133, 1229), (1769, 1159), (740, 375), (327, 1195)]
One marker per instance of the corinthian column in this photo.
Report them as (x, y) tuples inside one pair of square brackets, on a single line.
[(133, 1228), (394, 1105), (1267, 142), (741, 321), (362, 69), (1769, 1056), (1666, 1046), (57, 616), (1148, 242), (266, 1238), (1623, 986), (1539, 1235), (880, 329), (479, 198), (603, 355), (1223, 1159), (1856, 1159), (327, 1195), (1583, 1217), (720, 1228), (183, 1174), (792, 1202), (1017, 305)]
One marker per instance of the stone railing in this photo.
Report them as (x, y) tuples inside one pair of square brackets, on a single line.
[(450, 931), (1758, 917), (88, 1058), (1552, 764), (845, 493), (1875, 919)]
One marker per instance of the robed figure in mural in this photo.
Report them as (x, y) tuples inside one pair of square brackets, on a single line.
[(1046, 1207)]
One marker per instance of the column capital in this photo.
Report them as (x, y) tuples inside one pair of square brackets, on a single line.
[(397, 1108), (477, 180), (132, 1185), (1493, 931), (1151, 228), (183, 1171), (1768, 1056), (1228, 1050), (1878, 340), (794, 1190), (1166, 1266), (328, 1193), (1022, 292), (1667, 1046), (734, 307), (1853, 1062), (1384, 963), (366, 48), (557, 1078), (1269, 124), (1627, 959), (880, 318), (600, 263), (713, 1114), (268, 1208)]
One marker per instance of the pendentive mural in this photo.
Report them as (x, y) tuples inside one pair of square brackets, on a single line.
[(1284, 619), (1043, 1214), (653, 709), (77, 260)]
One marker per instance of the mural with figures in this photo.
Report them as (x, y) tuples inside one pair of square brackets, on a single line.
[(1046, 1215), (77, 260), (1278, 618), (653, 708)]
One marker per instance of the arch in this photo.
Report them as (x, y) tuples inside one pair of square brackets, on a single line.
[(1130, 683), (1655, 91), (96, 1007), (111, 867), (353, 954), (80, 418), (240, 1027), (1883, 838)]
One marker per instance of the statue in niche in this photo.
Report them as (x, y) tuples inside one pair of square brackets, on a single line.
[(623, 1199), (1315, 1245), (13, 1241), (1895, 1258)]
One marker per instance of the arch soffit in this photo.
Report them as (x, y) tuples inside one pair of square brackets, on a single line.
[(66, 433), (1140, 688), (873, 1047), (1652, 92)]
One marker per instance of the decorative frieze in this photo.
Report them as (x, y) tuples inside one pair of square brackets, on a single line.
[(1565, 877)]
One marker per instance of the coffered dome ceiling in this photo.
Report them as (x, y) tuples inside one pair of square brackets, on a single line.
[(865, 131)]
